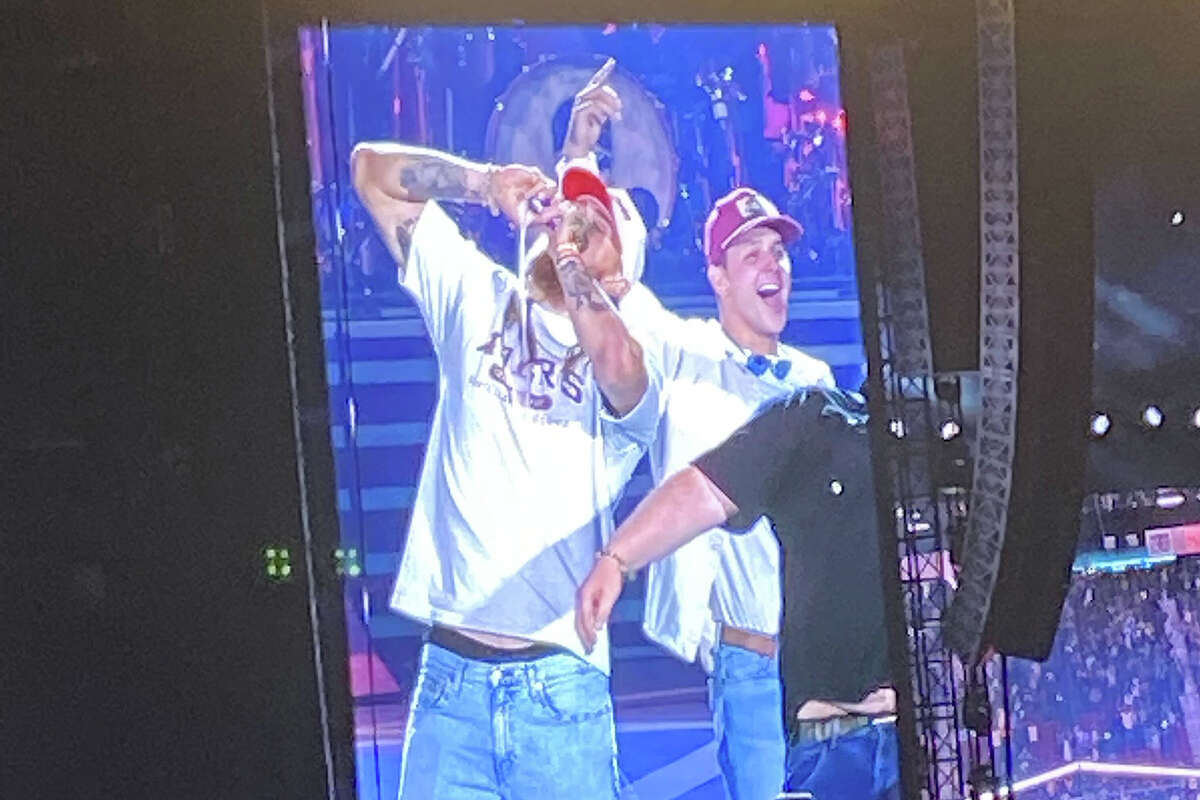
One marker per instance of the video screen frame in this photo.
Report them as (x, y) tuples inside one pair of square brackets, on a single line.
[(294, 189)]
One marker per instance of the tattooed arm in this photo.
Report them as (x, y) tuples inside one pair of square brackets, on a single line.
[(394, 180), (582, 250)]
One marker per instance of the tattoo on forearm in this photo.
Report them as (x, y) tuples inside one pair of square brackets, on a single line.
[(579, 286), (432, 178), (403, 233)]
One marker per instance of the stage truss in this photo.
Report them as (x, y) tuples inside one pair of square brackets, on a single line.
[(951, 703), (999, 325)]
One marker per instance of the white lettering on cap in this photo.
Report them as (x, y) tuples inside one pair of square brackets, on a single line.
[(755, 205)]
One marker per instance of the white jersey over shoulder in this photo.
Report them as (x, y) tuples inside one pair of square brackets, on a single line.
[(719, 577), (523, 463)]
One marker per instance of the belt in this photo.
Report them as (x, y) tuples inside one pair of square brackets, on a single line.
[(823, 730), (462, 645), (749, 640)]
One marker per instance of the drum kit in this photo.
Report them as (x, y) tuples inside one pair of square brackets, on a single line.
[(674, 159)]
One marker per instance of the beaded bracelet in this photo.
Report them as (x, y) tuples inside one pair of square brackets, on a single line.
[(622, 564)]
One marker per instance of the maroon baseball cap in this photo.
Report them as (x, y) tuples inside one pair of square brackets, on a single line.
[(579, 182), (738, 212)]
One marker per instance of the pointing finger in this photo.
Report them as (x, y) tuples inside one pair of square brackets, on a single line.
[(602, 74)]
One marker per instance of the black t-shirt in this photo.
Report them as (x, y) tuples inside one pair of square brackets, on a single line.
[(805, 463)]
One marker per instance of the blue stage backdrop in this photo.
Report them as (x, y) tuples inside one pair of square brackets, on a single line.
[(708, 108)]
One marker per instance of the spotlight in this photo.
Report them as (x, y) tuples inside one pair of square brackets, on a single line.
[(1177, 219), (836, 488), (1153, 417), (1100, 424), (950, 429), (1196, 418), (1169, 498), (896, 426)]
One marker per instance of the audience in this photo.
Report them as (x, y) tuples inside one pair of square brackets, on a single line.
[(1119, 685)]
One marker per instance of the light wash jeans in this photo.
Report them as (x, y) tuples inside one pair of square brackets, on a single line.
[(861, 765), (523, 730), (747, 706)]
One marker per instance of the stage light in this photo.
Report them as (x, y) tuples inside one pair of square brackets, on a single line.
[(1177, 219), (1153, 417), (1100, 424), (950, 429), (896, 426), (346, 562), (807, 96), (1101, 768), (1169, 498), (1196, 418), (278, 563), (836, 488)]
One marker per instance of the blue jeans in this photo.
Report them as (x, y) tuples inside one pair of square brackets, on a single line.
[(861, 765), (747, 703), (524, 729)]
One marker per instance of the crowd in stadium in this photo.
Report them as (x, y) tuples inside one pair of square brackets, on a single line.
[(1120, 685)]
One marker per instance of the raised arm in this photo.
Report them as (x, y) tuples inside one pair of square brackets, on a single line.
[(395, 180), (594, 105), (589, 269), (679, 510), (579, 257)]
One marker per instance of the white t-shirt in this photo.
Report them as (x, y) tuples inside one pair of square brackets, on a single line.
[(523, 463), (708, 393)]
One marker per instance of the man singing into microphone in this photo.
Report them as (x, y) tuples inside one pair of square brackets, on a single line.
[(545, 405)]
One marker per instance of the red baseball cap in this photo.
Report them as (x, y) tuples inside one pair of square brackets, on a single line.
[(579, 182), (738, 212)]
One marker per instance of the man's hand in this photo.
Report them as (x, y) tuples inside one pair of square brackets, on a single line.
[(595, 600), (511, 188), (595, 105), (587, 226)]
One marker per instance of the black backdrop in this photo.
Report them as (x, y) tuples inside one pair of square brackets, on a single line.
[(148, 448)]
